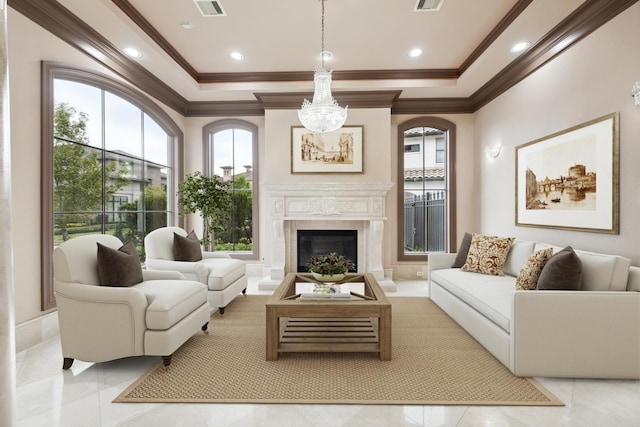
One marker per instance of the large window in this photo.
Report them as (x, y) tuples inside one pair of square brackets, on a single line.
[(231, 152), (426, 149), (108, 162)]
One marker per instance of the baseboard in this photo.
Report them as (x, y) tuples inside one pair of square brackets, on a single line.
[(35, 331)]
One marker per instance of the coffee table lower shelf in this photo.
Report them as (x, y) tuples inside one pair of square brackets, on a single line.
[(329, 335)]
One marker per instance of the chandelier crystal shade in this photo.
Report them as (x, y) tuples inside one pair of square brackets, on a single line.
[(323, 114), (635, 93)]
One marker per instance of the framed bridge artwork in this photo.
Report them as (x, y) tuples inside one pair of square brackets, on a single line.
[(570, 180), (340, 151)]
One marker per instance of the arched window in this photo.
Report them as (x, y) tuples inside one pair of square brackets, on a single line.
[(426, 187), (231, 152), (108, 159)]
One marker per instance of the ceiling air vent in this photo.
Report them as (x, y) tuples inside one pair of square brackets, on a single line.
[(428, 5), (210, 7)]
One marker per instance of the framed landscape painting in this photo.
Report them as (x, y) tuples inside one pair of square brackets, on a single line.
[(340, 151), (570, 180)]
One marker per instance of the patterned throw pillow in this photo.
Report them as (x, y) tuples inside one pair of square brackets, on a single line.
[(527, 279), (487, 254)]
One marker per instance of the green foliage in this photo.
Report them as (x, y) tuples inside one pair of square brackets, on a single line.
[(210, 197), (329, 264), (239, 225), (77, 170)]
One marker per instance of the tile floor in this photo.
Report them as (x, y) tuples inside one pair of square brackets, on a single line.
[(82, 396)]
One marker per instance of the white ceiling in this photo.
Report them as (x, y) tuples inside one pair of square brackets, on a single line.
[(284, 36)]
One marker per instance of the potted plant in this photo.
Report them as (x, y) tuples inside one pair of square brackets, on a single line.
[(208, 195), (329, 267)]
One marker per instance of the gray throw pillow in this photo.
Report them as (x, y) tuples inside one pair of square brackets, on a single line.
[(187, 248), (563, 271), (463, 251), (119, 267)]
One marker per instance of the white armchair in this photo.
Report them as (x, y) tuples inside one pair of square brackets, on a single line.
[(101, 323), (224, 276)]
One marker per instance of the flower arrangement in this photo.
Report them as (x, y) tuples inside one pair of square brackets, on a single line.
[(330, 264)]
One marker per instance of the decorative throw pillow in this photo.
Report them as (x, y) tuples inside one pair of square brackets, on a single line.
[(527, 279), (187, 248), (563, 271), (119, 267), (487, 254), (463, 251)]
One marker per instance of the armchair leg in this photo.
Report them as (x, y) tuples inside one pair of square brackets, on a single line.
[(166, 360), (205, 328), (221, 310), (244, 291), (66, 364)]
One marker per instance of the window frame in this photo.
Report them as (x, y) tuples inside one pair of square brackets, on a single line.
[(49, 72), (225, 124), (450, 182)]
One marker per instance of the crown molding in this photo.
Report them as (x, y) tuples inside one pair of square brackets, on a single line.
[(364, 99), (583, 21), (59, 21)]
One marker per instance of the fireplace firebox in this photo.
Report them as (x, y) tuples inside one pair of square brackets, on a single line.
[(320, 242)]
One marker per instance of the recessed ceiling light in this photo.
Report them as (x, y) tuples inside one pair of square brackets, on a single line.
[(187, 25), (134, 53), (237, 56), (414, 53), (519, 47)]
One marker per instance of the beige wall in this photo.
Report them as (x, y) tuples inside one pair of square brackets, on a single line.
[(592, 79)]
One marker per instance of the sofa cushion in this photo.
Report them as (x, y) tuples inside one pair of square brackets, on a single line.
[(187, 248), (601, 272), (517, 257), (563, 271), (487, 254), (463, 251), (223, 272), (492, 296), (119, 267), (528, 277), (170, 301)]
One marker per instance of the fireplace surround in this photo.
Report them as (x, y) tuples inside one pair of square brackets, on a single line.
[(325, 206)]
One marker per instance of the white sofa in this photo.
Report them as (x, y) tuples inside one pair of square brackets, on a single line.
[(591, 333)]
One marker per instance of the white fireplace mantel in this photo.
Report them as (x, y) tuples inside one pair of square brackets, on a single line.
[(359, 206)]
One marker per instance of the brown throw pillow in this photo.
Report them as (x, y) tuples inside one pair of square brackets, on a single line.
[(563, 271), (119, 267), (487, 254), (527, 279), (187, 248), (463, 251)]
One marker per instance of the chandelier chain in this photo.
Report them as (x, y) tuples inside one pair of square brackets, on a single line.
[(322, 36)]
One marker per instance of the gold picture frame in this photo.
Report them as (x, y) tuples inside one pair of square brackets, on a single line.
[(341, 151), (570, 180)]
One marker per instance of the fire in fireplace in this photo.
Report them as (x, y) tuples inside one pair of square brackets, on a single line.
[(319, 242)]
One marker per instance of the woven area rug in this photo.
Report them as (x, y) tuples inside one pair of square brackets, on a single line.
[(434, 362)]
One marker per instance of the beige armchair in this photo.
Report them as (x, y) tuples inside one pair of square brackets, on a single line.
[(100, 323), (225, 277)]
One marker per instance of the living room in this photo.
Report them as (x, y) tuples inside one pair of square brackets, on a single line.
[(567, 86)]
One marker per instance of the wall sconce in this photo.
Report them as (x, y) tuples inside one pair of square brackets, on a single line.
[(635, 93), (492, 152)]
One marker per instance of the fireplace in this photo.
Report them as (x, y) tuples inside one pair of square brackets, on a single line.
[(319, 242), (358, 207)]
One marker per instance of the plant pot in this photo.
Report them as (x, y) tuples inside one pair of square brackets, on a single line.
[(327, 277)]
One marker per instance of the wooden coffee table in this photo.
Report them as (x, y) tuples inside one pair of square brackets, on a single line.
[(359, 324)]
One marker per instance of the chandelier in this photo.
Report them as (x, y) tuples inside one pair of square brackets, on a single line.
[(323, 114)]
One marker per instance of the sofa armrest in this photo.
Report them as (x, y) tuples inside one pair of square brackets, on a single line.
[(438, 261), (100, 323), (207, 255), (576, 334), (164, 264), (162, 275)]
